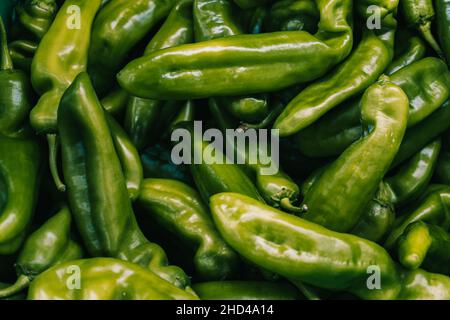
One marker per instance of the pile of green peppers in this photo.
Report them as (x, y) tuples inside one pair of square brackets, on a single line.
[(93, 205)]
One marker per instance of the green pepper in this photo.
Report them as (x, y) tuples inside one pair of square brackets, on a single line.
[(292, 15), (49, 245), (300, 250), (363, 165), (115, 102), (61, 56), (424, 245), (426, 83), (33, 19), (143, 115), (421, 285), (277, 189), (96, 187), (356, 74), (20, 154), (433, 208), (443, 24), (179, 209), (246, 290), (209, 176), (157, 163), (129, 158), (413, 177), (420, 14), (103, 279), (263, 62), (414, 49), (116, 30)]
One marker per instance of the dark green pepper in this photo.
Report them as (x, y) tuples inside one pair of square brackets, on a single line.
[(143, 115), (96, 186), (432, 208), (263, 62), (427, 246), (300, 250), (116, 30), (354, 76), (115, 102), (47, 246), (61, 56), (246, 4), (103, 279), (293, 15), (179, 209), (246, 290), (420, 14), (20, 154), (33, 19), (413, 50), (443, 24), (413, 177), (363, 165)]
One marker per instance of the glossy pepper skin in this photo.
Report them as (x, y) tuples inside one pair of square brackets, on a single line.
[(115, 102), (426, 246), (414, 49), (293, 15), (426, 83), (300, 250), (103, 279), (432, 208), (373, 54), (210, 177), (264, 62), (33, 19), (179, 209), (20, 154), (246, 290), (420, 14), (414, 176), (357, 173), (117, 29), (47, 246), (61, 56), (143, 115), (422, 285), (96, 187), (443, 24)]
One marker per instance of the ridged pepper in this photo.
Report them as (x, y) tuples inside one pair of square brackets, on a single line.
[(263, 62), (406, 52), (426, 246), (277, 189), (96, 188), (293, 15), (443, 24), (246, 290), (33, 19), (420, 14), (413, 177), (47, 246), (384, 111), (211, 177), (373, 54), (143, 115), (178, 209), (432, 207), (103, 279), (20, 154), (116, 30), (61, 56), (426, 83), (300, 250)]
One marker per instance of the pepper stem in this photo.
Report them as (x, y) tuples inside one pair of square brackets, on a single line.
[(6, 62), (287, 205), (307, 291), (53, 147), (267, 121), (21, 284), (425, 29)]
